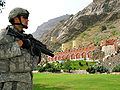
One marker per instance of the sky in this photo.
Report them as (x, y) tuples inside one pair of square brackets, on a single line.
[(41, 10)]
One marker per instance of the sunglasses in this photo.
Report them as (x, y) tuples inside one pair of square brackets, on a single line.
[(25, 16)]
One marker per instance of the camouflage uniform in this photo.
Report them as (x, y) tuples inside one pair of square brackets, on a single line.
[(16, 64)]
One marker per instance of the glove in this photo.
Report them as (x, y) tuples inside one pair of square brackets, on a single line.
[(20, 43), (26, 43)]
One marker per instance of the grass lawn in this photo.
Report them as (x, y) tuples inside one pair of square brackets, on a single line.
[(52, 81)]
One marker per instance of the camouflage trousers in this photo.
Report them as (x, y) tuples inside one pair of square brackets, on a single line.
[(16, 86)]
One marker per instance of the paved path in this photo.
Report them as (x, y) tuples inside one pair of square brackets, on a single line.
[(78, 72)]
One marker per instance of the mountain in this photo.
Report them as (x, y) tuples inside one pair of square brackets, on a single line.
[(98, 13), (46, 27)]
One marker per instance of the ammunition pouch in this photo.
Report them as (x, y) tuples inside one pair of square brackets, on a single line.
[(4, 65), (17, 64), (22, 63)]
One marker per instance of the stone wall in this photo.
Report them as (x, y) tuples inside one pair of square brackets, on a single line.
[(111, 61), (109, 50)]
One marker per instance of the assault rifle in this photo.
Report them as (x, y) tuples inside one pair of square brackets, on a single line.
[(35, 44)]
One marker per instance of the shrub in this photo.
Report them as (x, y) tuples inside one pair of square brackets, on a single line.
[(71, 15), (90, 69), (62, 21), (101, 69), (87, 63), (64, 70), (41, 69), (80, 64), (110, 9), (89, 29), (50, 69), (113, 32), (58, 69), (111, 27), (83, 34), (67, 65), (103, 28), (74, 68), (116, 69), (105, 37), (48, 65), (61, 66)]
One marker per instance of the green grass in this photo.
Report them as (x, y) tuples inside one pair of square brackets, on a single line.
[(52, 81)]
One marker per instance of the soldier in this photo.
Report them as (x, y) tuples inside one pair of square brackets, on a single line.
[(16, 62)]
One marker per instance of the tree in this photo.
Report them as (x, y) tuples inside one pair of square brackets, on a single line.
[(2, 5), (67, 65)]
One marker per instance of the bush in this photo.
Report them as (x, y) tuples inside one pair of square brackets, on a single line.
[(64, 70), (111, 27), (110, 9), (87, 63), (62, 21), (71, 15), (53, 70), (80, 64), (103, 28), (113, 32), (101, 69), (50, 69), (89, 29), (74, 68), (83, 34), (90, 69), (41, 69), (67, 65), (116, 69), (47, 65)]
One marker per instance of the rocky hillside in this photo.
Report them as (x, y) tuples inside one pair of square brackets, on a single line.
[(46, 27), (98, 13)]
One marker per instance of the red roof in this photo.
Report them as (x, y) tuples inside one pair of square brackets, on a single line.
[(107, 42)]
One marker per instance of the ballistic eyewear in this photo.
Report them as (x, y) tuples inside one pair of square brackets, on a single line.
[(25, 16)]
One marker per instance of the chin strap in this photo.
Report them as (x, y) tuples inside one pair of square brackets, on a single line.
[(20, 23)]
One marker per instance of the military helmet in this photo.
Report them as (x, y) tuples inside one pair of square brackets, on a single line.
[(16, 12)]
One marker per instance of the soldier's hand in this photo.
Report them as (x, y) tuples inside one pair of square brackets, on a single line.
[(26, 43), (20, 43)]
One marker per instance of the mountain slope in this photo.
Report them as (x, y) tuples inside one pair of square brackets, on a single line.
[(99, 12), (46, 27)]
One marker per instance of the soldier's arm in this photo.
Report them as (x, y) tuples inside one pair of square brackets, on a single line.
[(8, 47), (9, 50), (35, 62)]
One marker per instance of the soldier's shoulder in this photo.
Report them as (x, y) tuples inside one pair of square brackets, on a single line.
[(3, 33)]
